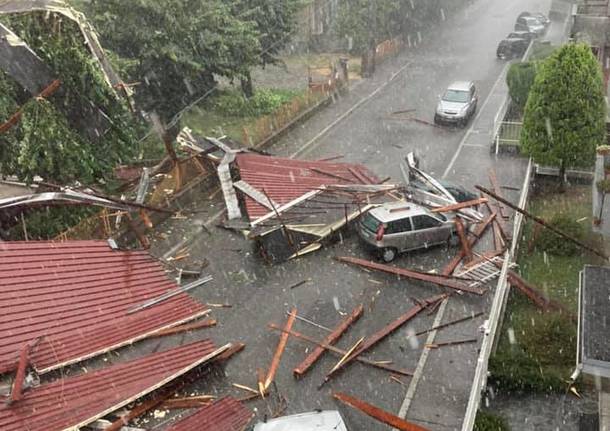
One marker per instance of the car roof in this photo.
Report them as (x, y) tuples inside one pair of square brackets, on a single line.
[(389, 212), (326, 420), (460, 85)]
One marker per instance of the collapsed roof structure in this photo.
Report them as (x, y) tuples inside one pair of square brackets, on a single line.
[(70, 301), (65, 302), (73, 402)]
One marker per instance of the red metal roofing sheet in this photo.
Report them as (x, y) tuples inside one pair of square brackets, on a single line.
[(72, 402), (73, 298), (226, 414), (286, 179)]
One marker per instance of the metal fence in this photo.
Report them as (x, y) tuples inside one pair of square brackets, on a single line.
[(494, 322), (509, 133)]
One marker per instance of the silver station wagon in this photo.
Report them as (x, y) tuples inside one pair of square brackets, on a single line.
[(397, 227)]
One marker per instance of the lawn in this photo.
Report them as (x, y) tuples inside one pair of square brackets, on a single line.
[(537, 350)]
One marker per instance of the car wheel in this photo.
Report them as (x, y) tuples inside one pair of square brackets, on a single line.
[(388, 254)]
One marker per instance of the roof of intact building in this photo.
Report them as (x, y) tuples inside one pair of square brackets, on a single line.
[(74, 300), (73, 402), (594, 320), (284, 180), (226, 414)]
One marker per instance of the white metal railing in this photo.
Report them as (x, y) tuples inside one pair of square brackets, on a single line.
[(492, 324), (499, 118)]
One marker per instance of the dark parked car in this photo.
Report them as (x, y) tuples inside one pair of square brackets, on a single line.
[(531, 24), (544, 20), (522, 35), (512, 48)]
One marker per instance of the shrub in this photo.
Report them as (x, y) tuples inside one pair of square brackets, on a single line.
[(486, 421), (554, 244), (604, 185), (516, 371), (520, 78), (264, 102)]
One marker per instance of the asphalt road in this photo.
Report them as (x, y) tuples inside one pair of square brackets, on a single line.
[(463, 48)]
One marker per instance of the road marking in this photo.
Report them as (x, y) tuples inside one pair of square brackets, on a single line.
[(470, 129), (310, 144), (419, 371)]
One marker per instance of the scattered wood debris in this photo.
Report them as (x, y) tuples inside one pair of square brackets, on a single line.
[(455, 284), (275, 362), (332, 338), (377, 413), (378, 364)]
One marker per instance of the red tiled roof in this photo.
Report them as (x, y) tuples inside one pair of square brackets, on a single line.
[(226, 414), (286, 179), (71, 300), (73, 402)]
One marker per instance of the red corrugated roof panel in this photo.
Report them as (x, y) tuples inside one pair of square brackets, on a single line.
[(71, 299), (73, 402), (286, 179), (226, 414)]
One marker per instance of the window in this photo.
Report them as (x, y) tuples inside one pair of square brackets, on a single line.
[(425, 222), (399, 226), (370, 223), (459, 96)]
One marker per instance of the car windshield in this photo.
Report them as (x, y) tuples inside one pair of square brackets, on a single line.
[(370, 222), (459, 96)]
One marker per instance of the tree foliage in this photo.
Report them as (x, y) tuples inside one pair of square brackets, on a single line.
[(50, 141), (177, 47), (520, 78), (565, 113)]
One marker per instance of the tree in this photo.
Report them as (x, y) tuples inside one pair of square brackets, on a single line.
[(274, 21), (51, 139), (176, 47), (520, 78), (565, 113)]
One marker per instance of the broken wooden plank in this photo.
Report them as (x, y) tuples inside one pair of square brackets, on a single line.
[(331, 175), (407, 273), (461, 231), (170, 294), (543, 223), (332, 338), (341, 352), (451, 343), (187, 402), (228, 354), (478, 233), (387, 330), (377, 413), (275, 362), (361, 178), (496, 188), (541, 300), (459, 205), (22, 365), (445, 325), (347, 355), (186, 327)]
